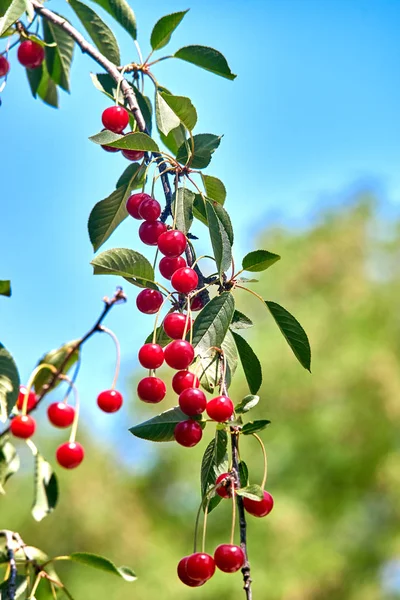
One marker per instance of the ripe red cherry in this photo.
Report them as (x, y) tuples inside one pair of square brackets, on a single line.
[(188, 433), (60, 414), (30, 54), (150, 209), (225, 489), (23, 426), (259, 508), (110, 148), (172, 243), (110, 401), (184, 577), (134, 155), (196, 303), (115, 118), (200, 566), (179, 354), (184, 280), (31, 398), (133, 204), (4, 66), (192, 402), (174, 325), (150, 231), (168, 266), (220, 408), (70, 455), (151, 390), (183, 380), (149, 301), (151, 356), (229, 558)]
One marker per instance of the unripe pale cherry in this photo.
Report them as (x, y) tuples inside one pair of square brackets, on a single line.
[(23, 426), (200, 566), (60, 414), (184, 280), (179, 354), (225, 488), (149, 301), (151, 390), (109, 401), (32, 400), (184, 577), (150, 209), (168, 266), (188, 433), (4, 66), (151, 356), (70, 455), (30, 54), (259, 508), (133, 155), (174, 325), (229, 558), (172, 243), (220, 408), (183, 380), (150, 231), (115, 118), (192, 401), (133, 204)]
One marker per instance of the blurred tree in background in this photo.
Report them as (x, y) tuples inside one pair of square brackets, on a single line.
[(333, 444)]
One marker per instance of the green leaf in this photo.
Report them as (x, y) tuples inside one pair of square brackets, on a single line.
[(166, 119), (58, 58), (182, 205), (56, 358), (161, 337), (247, 404), (240, 321), (107, 85), (160, 428), (211, 368), (225, 220), (253, 492), (122, 13), (100, 33), (174, 140), (212, 323), (259, 260), (183, 108), (214, 462), (214, 187), (125, 263), (101, 563), (243, 474), (9, 462), (219, 240), (145, 107), (42, 85), (293, 332), (5, 287), (133, 175), (9, 383), (253, 426), (164, 28), (14, 11), (250, 363), (130, 141), (231, 356), (205, 145), (46, 489), (206, 58)]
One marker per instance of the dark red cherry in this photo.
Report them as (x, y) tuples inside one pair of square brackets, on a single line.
[(110, 401), (225, 488), (192, 402), (229, 558), (174, 325), (259, 508), (172, 243), (70, 455), (32, 400), (115, 118), (183, 576), (30, 54), (133, 204), (110, 148), (149, 301), (220, 408), (196, 303), (200, 566), (179, 354), (133, 155), (4, 66), (151, 356), (168, 266), (151, 390), (150, 231), (183, 380), (23, 426), (184, 280), (60, 414), (188, 433), (150, 209)]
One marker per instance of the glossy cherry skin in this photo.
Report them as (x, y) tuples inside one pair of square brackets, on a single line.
[(229, 558), (179, 354), (183, 380), (151, 390), (133, 155), (151, 356), (184, 577), (150, 209), (184, 280), (149, 301), (31, 398), (200, 566), (188, 433), (174, 325), (150, 231), (4, 66), (225, 489), (60, 414), (196, 303), (70, 455), (259, 508), (192, 402), (133, 204), (172, 243), (110, 401), (115, 118), (30, 54), (220, 408), (168, 266), (23, 426)]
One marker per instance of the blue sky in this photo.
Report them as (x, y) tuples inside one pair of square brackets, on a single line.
[(312, 113)]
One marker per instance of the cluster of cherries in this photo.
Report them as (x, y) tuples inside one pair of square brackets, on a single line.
[(60, 414), (30, 54), (115, 119)]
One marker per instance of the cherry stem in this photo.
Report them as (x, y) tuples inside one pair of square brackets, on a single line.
[(158, 314), (30, 383), (188, 317), (233, 492), (74, 428), (203, 540), (259, 440), (118, 352)]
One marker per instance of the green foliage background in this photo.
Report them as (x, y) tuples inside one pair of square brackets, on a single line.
[(333, 445)]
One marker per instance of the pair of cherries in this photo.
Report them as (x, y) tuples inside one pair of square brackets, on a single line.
[(257, 508), (197, 568), (30, 54), (116, 119)]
